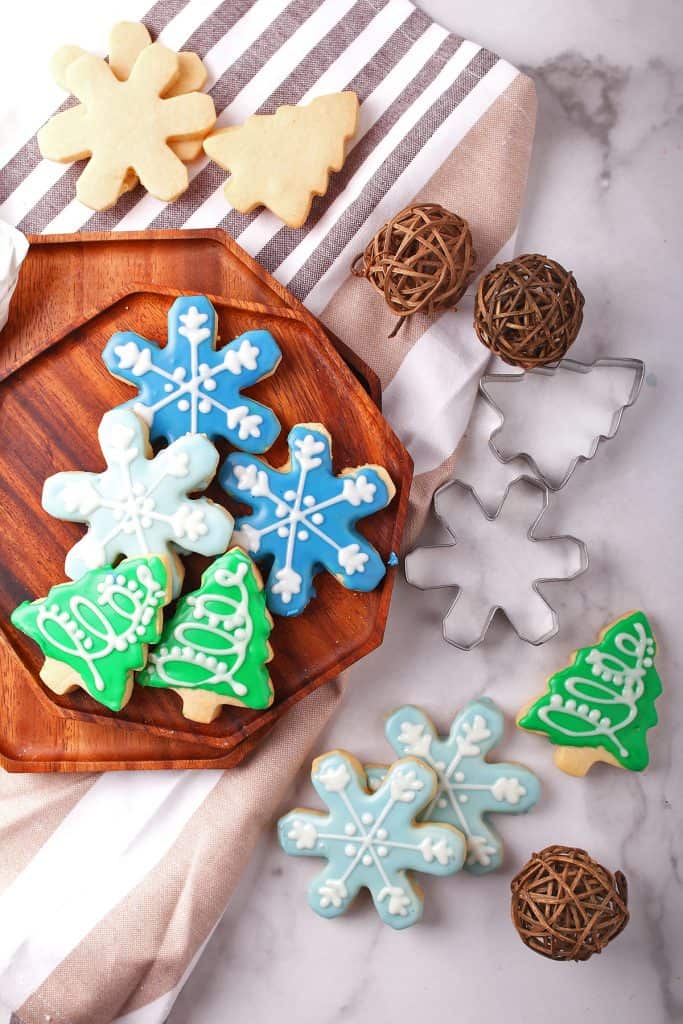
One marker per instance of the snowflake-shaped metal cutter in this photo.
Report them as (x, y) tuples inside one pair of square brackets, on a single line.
[(431, 568), (139, 505), (189, 387), (303, 518), (469, 786), (371, 839)]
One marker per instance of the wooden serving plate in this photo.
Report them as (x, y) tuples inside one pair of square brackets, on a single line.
[(54, 390)]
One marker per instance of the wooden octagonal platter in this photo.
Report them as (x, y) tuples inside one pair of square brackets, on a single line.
[(74, 293)]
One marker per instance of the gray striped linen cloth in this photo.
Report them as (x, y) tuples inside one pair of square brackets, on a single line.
[(111, 885)]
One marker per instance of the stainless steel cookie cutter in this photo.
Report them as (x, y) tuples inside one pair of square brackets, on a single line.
[(448, 633), (576, 367)]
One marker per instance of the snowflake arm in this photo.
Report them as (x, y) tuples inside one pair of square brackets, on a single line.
[(469, 787), (139, 505), (371, 839), (303, 518), (189, 387)]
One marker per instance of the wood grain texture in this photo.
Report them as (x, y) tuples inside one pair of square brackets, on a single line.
[(54, 390)]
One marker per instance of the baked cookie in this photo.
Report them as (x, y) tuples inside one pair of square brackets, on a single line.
[(94, 632), (304, 516), (125, 127), (469, 787), (371, 840), (189, 387), (214, 648), (139, 505), (601, 706), (282, 160)]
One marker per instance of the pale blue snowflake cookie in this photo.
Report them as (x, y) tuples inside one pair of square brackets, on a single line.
[(469, 787), (188, 387), (303, 518), (139, 505), (371, 840)]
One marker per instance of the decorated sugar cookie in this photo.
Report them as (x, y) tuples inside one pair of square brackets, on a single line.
[(371, 840), (469, 787), (124, 128), (303, 517), (139, 504), (94, 632), (214, 648), (601, 706), (282, 160), (189, 387)]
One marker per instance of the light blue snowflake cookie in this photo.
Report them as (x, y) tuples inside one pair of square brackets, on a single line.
[(188, 387), (303, 518), (139, 504), (371, 840), (469, 786)]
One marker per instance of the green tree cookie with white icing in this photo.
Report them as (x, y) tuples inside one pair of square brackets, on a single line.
[(94, 632), (214, 649), (601, 706)]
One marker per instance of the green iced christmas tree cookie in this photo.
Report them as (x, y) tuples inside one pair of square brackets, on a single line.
[(214, 649), (94, 632), (601, 707)]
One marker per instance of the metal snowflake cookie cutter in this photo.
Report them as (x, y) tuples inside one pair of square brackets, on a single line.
[(441, 566), (573, 366)]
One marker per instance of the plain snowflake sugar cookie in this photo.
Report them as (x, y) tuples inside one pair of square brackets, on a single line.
[(282, 160), (371, 840), (601, 706), (214, 648), (304, 516), (470, 787), (125, 127), (94, 633)]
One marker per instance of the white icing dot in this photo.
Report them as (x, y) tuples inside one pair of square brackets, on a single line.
[(605, 722), (463, 798), (367, 860), (382, 851), (349, 849), (183, 405), (439, 765), (367, 818), (179, 373), (168, 387), (382, 833), (556, 701), (302, 535), (283, 531), (290, 495), (350, 828), (647, 662), (594, 715), (459, 776), (210, 384), (205, 405), (317, 518), (309, 501), (281, 511), (570, 705), (583, 709), (442, 802)]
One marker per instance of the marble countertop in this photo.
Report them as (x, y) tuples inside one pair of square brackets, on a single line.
[(604, 199)]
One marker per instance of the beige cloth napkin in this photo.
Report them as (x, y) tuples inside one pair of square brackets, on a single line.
[(110, 885)]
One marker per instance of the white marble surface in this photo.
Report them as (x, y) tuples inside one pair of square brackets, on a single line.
[(604, 198)]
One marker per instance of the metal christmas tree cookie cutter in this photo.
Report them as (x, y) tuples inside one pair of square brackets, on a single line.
[(535, 584), (574, 366)]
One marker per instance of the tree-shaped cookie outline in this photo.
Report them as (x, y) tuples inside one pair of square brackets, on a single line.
[(601, 706), (139, 504), (189, 386), (417, 578), (470, 788), (304, 517), (95, 632), (371, 839), (214, 648)]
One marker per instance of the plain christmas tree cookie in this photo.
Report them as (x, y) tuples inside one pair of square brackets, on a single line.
[(282, 160), (95, 632), (601, 706)]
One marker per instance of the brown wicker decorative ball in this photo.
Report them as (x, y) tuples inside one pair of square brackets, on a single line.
[(528, 311), (566, 906), (420, 260)]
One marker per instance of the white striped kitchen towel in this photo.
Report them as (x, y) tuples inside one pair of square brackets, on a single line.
[(111, 885)]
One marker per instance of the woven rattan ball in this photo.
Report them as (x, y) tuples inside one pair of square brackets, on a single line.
[(528, 311), (420, 260), (566, 906)]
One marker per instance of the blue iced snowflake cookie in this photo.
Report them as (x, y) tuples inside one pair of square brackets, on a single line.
[(303, 517), (189, 387), (371, 840), (139, 505), (469, 787)]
